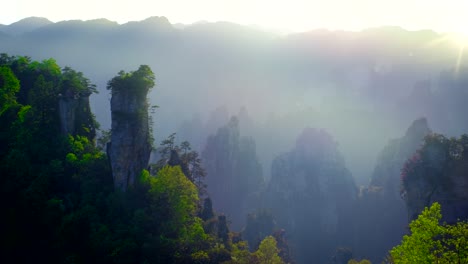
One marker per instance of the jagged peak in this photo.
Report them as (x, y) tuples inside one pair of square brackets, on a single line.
[(418, 128)]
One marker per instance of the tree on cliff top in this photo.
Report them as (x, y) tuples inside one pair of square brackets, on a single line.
[(141, 80)]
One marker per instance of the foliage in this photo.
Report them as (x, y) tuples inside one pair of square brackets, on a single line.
[(61, 204), (74, 82), (431, 242), (182, 155), (139, 81), (259, 225), (267, 252), (364, 261), (434, 160), (9, 86), (240, 253)]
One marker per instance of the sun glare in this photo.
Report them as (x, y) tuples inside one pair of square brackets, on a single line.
[(461, 41)]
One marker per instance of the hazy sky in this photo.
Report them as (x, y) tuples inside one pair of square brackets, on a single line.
[(293, 15)]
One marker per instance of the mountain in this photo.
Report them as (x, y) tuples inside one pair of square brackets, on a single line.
[(311, 194), (319, 78), (25, 25), (386, 216)]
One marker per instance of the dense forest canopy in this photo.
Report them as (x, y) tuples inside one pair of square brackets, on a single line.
[(63, 206)]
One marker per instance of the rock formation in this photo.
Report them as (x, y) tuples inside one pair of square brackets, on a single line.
[(75, 114), (438, 173), (380, 212), (311, 194), (234, 175), (130, 146), (386, 173)]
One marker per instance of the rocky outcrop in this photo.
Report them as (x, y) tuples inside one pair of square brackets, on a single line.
[(130, 146), (234, 174), (311, 193), (438, 172), (387, 170), (75, 115), (380, 214)]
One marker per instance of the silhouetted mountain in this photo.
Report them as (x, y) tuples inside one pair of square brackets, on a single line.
[(25, 25)]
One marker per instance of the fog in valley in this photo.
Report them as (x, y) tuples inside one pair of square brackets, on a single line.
[(302, 134)]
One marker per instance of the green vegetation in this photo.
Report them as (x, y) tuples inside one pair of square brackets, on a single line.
[(60, 202), (432, 242), (437, 156), (364, 261), (138, 82), (267, 253), (182, 155)]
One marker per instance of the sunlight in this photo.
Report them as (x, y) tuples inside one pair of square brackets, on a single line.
[(461, 40)]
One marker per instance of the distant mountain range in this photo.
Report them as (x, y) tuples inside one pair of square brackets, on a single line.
[(25, 25), (337, 76)]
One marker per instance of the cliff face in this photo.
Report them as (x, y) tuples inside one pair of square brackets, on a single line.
[(385, 220), (438, 173), (234, 175), (130, 147), (311, 194), (386, 174), (75, 115)]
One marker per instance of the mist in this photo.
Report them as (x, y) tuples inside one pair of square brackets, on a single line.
[(250, 101)]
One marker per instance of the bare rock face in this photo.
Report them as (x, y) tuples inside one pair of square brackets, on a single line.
[(311, 193), (381, 215), (75, 115), (438, 173), (386, 174), (130, 147), (234, 174)]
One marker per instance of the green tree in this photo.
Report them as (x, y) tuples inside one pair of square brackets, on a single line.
[(9, 86), (267, 252), (240, 253), (74, 82), (189, 159), (173, 203), (364, 261), (431, 242), (140, 81)]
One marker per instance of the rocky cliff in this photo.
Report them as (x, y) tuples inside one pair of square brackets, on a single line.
[(311, 193), (438, 172), (75, 114), (234, 174), (386, 174), (381, 216), (130, 146)]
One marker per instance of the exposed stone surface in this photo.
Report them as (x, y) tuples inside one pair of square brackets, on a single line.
[(311, 194), (130, 147), (390, 161), (234, 174), (380, 212), (439, 175), (75, 115)]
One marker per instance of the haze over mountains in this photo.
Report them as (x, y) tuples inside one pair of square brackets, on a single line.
[(318, 147), (349, 83)]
